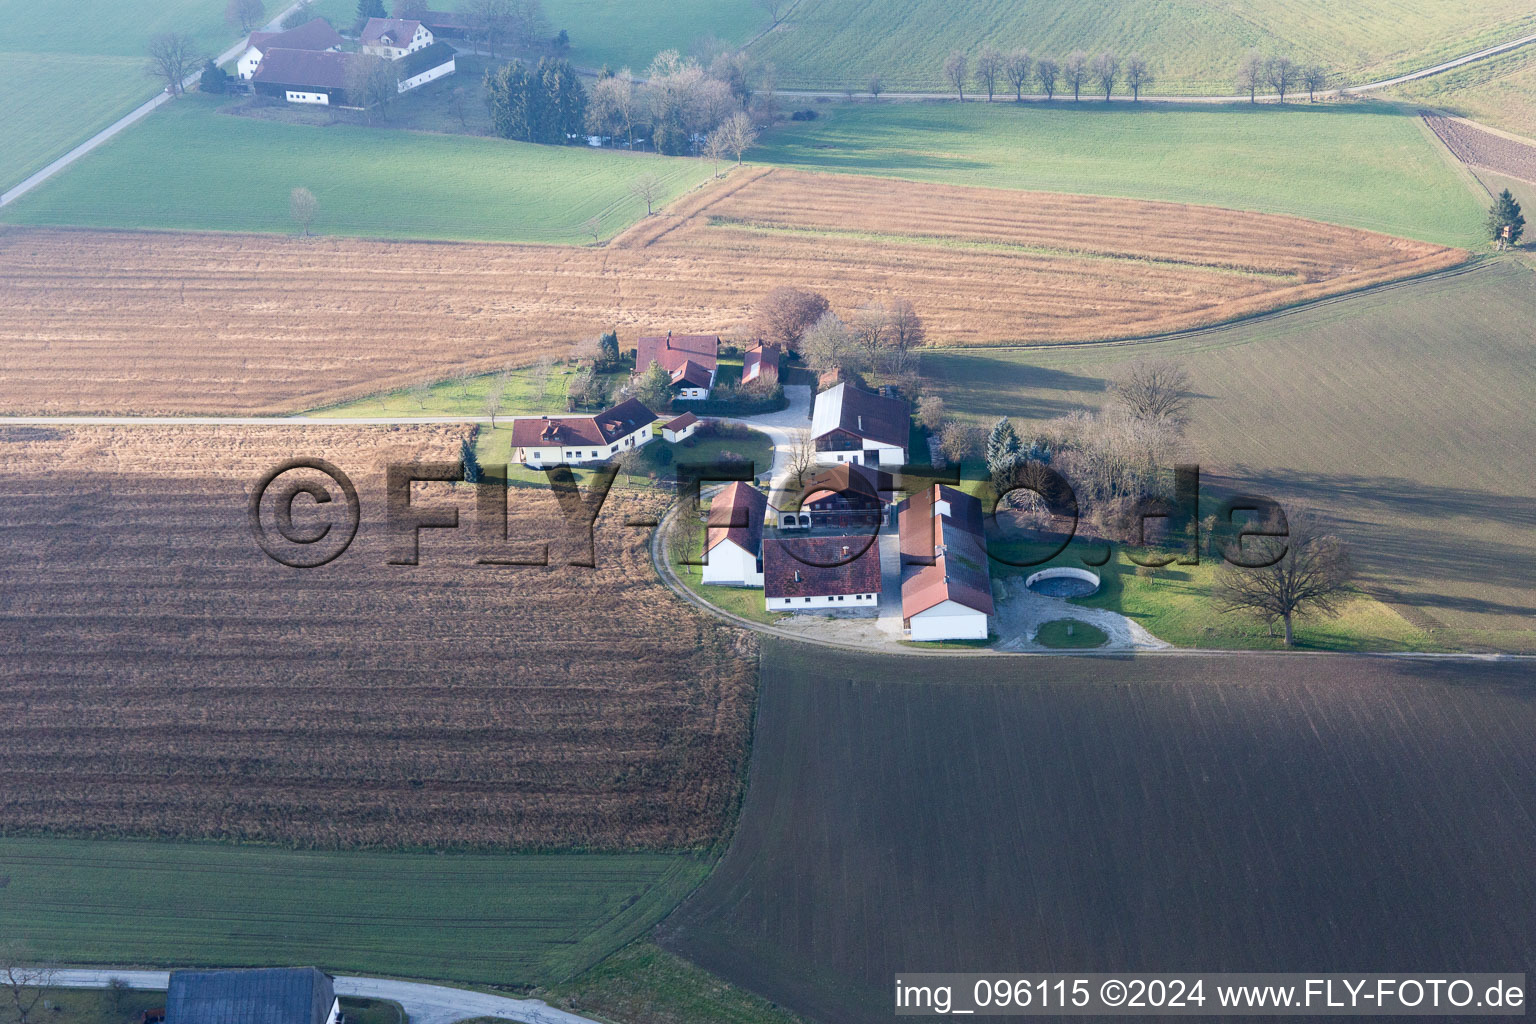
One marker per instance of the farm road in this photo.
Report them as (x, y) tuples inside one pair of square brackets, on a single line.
[(133, 117), (425, 1004)]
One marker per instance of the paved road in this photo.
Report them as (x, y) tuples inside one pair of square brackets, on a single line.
[(425, 1004), (133, 117)]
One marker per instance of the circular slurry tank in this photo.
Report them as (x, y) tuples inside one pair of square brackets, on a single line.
[(1063, 582)]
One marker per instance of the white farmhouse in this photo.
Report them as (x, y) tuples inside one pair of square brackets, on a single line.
[(681, 428), (733, 545), (394, 37), (539, 441), (852, 425)]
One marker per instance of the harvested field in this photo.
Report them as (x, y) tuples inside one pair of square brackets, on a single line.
[(1481, 148), (1223, 813), (161, 677), (162, 323)]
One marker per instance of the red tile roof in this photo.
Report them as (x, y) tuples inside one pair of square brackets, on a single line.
[(672, 350), (603, 429), (859, 486), (801, 567), (737, 515), (687, 419), (314, 34), (957, 546), (691, 374), (760, 360)]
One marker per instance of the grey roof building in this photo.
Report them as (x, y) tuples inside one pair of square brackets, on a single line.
[(270, 995)]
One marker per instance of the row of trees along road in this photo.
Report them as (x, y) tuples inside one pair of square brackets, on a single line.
[(993, 70)]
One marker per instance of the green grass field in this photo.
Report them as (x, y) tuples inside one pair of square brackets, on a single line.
[(512, 919), (621, 33), (645, 984), (1402, 413), (191, 167), (1193, 45), (1289, 161), (68, 70)]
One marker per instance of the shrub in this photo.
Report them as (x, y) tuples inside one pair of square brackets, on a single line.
[(804, 115)]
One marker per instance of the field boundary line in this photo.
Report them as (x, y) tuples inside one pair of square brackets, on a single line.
[(1472, 264)]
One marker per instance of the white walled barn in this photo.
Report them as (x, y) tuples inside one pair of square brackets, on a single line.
[(818, 574), (853, 425), (946, 585), (734, 537)]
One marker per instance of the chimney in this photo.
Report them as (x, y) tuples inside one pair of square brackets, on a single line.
[(845, 550), (797, 575), (861, 424)]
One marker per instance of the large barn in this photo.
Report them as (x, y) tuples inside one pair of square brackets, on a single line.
[(269, 995), (304, 76), (819, 574), (946, 585), (853, 425), (316, 35)]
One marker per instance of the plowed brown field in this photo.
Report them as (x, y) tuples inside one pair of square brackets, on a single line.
[(146, 323), (160, 676)]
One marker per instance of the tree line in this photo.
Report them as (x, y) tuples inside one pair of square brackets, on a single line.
[(993, 70)]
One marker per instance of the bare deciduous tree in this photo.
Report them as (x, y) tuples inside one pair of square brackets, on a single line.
[(1047, 71), (1152, 390), (1307, 570), (628, 461), (495, 396), (593, 226), (458, 103), (373, 83), (520, 22), (1018, 67), (245, 13), (739, 134), (959, 441), (930, 412), (775, 8), (828, 346), (906, 327), (303, 207), (870, 329), (785, 314), (875, 87), (1280, 73), (716, 148), (24, 983), (957, 68), (1250, 72), (1075, 71), (646, 188), (1106, 71), (989, 67), (1315, 78), (802, 455), (1138, 75), (172, 56)]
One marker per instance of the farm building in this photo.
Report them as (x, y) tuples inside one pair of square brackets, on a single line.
[(841, 497), (394, 37), (850, 424), (691, 359), (426, 65), (451, 24), (761, 363), (946, 585), (579, 440), (812, 574), (680, 429), (303, 76), (272, 995), (733, 543), (316, 35)]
